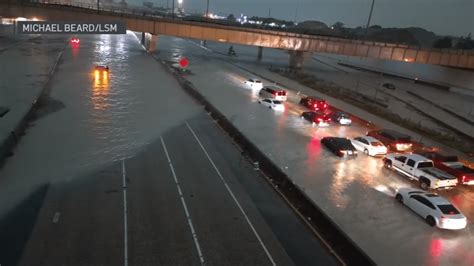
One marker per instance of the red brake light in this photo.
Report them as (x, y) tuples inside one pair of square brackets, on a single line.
[(319, 120), (463, 178), (325, 105), (315, 105)]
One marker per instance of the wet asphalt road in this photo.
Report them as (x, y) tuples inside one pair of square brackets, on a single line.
[(138, 173)]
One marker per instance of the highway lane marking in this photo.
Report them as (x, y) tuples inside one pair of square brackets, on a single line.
[(183, 202), (232, 195), (56, 217), (125, 226)]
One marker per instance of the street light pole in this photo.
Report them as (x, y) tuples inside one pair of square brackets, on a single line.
[(296, 10), (370, 17), (207, 10), (172, 7)]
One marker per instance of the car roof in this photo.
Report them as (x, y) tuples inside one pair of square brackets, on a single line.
[(436, 199), (417, 157), (273, 88), (370, 139)]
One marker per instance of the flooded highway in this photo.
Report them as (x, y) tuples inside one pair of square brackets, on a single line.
[(104, 119), (129, 169), (358, 194)]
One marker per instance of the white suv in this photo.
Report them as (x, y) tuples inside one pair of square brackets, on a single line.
[(254, 84), (273, 92)]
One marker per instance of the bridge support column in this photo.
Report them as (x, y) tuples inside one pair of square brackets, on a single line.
[(260, 53), (297, 59)]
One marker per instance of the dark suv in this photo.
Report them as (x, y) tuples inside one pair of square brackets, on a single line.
[(314, 103), (393, 140)]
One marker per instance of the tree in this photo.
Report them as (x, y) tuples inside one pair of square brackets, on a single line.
[(231, 17), (375, 27), (445, 42), (465, 43), (338, 25)]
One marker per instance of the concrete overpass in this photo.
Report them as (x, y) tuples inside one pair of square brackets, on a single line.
[(298, 46)]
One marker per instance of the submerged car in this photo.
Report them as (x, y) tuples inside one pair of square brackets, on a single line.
[(101, 68), (341, 147), (316, 118), (369, 145), (272, 104), (341, 118), (436, 210)]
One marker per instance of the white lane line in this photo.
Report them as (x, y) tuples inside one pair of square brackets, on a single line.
[(183, 202), (125, 226), (232, 195)]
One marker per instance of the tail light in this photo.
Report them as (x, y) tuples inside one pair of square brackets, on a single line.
[(463, 178), (315, 105), (325, 105), (319, 119)]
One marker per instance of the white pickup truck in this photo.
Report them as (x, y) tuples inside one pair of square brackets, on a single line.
[(420, 168)]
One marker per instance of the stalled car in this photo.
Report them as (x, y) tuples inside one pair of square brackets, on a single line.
[(316, 118), (273, 92), (272, 104), (393, 140), (369, 145), (254, 83), (341, 147), (341, 118), (434, 209), (314, 103)]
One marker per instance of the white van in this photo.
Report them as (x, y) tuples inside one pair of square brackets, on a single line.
[(273, 92)]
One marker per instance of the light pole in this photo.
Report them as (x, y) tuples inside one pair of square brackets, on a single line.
[(370, 17), (207, 9), (296, 10), (172, 9)]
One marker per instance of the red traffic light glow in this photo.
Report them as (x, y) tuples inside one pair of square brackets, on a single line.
[(183, 62)]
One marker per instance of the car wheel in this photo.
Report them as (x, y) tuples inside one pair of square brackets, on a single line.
[(399, 198), (269, 107), (366, 152), (430, 221), (259, 102), (388, 164), (424, 185)]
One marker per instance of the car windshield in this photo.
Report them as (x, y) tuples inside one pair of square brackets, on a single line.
[(448, 209), (276, 102), (258, 81)]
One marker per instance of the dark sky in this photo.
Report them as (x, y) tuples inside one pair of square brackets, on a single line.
[(452, 17)]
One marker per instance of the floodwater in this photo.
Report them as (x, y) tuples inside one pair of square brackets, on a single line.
[(105, 117)]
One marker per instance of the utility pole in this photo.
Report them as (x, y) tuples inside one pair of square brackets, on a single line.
[(370, 17), (270, 12), (172, 7), (207, 10), (296, 11)]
